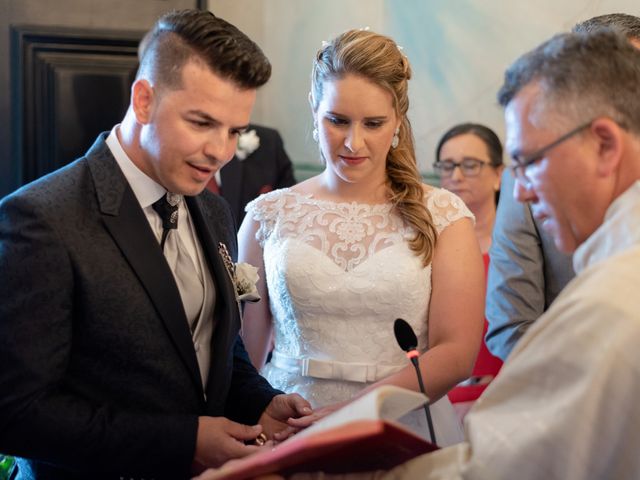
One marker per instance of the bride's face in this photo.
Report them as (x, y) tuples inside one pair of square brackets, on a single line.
[(356, 122)]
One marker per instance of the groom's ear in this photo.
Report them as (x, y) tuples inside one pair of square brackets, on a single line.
[(142, 99)]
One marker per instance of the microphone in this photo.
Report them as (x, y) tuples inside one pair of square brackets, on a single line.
[(408, 342)]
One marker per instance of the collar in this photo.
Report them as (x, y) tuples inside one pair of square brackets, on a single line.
[(619, 231), (146, 190)]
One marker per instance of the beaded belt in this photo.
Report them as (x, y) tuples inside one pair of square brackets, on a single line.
[(328, 369)]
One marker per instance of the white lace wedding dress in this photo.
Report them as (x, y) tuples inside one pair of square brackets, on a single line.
[(339, 274)]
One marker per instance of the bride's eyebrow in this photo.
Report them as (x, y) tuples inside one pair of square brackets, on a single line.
[(377, 118)]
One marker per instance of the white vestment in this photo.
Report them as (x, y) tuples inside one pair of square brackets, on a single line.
[(566, 404)]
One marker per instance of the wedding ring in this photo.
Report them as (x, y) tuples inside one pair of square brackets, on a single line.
[(260, 440)]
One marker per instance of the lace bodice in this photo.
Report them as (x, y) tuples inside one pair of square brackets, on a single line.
[(339, 274)]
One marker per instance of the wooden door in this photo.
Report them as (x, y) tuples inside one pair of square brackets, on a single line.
[(66, 67)]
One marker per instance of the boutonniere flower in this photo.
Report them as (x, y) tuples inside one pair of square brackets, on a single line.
[(244, 277), (248, 142)]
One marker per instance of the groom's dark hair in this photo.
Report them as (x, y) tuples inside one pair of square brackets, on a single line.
[(198, 35)]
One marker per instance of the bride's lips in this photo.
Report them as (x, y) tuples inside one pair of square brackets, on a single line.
[(352, 160)]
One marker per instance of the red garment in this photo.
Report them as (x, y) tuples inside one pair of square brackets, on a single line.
[(486, 364)]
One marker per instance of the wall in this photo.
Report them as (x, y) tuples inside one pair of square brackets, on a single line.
[(458, 49)]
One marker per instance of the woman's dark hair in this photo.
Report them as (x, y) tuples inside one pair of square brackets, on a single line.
[(488, 136)]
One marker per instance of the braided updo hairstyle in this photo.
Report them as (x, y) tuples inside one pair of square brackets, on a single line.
[(378, 59)]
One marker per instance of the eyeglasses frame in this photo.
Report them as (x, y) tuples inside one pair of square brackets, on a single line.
[(522, 162), (459, 165)]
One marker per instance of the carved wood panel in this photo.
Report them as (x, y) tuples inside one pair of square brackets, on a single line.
[(68, 85)]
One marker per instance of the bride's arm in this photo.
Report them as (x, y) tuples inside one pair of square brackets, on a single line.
[(257, 326), (455, 314)]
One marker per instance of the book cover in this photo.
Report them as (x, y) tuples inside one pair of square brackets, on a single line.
[(359, 437)]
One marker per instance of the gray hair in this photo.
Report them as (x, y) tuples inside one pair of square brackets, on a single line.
[(581, 76), (627, 25)]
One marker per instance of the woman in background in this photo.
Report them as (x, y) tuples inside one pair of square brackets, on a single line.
[(347, 252), (469, 163)]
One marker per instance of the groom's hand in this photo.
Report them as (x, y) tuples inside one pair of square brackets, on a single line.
[(220, 439), (276, 418)]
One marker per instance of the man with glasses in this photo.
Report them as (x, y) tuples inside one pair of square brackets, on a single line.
[(527, 271), (565, 403)]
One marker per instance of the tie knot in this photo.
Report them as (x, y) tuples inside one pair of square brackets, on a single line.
[(167, 208)]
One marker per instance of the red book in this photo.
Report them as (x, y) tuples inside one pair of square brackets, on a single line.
[(347, 441)]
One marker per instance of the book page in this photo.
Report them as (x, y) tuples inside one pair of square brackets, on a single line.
[(387, 402)]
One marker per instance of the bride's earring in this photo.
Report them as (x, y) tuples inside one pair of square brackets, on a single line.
[(314, 133), (396, 140)]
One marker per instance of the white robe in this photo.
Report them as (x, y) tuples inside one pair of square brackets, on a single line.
[(566, 404)]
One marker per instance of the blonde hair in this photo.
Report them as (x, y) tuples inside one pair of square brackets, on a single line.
[(378, 59)]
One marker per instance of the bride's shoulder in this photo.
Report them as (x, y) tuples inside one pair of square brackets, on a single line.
[(445, 207), (272, 204), (268, 203)]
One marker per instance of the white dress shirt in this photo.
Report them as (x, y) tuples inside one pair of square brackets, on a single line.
[(147, 192)]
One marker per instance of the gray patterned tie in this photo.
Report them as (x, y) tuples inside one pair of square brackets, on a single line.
[(182, 265)]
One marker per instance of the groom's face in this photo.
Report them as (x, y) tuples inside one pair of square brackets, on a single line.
[(188, 134)]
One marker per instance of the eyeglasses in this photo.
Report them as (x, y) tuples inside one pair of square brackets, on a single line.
[(523, 162), (470, 167)]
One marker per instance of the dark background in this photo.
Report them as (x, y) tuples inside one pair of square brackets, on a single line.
[(66, 67)]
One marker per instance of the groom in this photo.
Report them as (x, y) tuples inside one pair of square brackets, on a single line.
[(118, 315)]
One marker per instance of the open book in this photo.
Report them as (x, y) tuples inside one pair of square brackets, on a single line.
[(362, 436)]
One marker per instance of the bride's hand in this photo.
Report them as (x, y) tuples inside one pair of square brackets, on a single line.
[(296, 424)]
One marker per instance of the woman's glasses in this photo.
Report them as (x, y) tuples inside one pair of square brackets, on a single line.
[(470, 167)]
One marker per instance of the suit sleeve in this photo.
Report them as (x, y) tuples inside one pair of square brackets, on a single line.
[(43, 413), (249, 393), (516, 282)]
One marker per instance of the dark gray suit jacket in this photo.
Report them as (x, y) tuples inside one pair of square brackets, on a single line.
[(99, 375), (526, 272)]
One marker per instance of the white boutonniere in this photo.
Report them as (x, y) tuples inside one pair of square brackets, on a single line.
[(248, 142), (247, 282), (244, 277)]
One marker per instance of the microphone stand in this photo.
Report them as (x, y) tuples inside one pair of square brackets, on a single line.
[(413, 356)]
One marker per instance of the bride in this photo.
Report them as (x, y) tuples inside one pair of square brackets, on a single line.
[(347, 252)]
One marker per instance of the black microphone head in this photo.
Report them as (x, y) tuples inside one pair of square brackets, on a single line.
[(404, 335)]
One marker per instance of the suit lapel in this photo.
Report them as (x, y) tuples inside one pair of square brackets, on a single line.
[(127, 224)]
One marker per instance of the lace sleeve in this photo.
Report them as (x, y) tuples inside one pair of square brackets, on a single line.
[(264, 210), (446, 208)]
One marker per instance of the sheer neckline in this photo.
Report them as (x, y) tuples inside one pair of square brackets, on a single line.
[(310, 198)]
